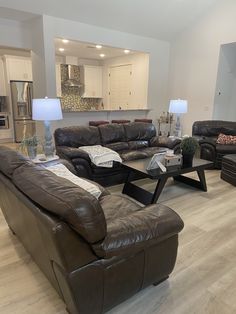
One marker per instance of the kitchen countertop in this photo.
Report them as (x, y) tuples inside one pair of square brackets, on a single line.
[(108, 110)]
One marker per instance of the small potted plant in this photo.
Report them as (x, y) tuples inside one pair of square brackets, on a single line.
[(188, 146), (30, 144)]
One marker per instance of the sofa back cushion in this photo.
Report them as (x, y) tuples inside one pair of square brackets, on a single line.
[(76, 136), (61, 197), (10, 160), (112, 133), (139, 131), (213, 128)]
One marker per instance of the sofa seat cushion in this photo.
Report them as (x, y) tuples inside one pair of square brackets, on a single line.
[(150, 151), (132, 155), (106, 171), (164, 141), (138, 230), (118, 146), (226, 149), (133, 145), (61, 197), (117, 206)]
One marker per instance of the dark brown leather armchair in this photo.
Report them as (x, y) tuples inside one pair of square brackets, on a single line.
[(207, 132), (95, 252)]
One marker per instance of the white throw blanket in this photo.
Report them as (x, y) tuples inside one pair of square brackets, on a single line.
[(101, 156), (61, 171)]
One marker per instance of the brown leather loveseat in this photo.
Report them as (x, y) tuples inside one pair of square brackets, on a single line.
[(95, 252), (135, 140)]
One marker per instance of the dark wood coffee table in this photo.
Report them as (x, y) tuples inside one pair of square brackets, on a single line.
[(140, 166)]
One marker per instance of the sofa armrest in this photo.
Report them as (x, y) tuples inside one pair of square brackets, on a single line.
[(207, 140), (139, 230), (71, 153), (163, 141)]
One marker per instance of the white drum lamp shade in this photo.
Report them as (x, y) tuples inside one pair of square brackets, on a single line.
[(178, 106), (46, 109)]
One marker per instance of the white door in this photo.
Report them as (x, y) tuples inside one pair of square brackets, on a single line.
[(120, 83)]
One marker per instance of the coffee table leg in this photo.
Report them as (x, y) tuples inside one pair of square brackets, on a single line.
[(160, 185), (202, 178), (201, 184)]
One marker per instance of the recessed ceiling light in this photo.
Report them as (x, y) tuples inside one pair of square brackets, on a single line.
[(61, 49), (65, 41), (102, 55), (126, 51), (99, 46)]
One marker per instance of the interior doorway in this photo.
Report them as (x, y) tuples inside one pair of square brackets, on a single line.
[(225, 93)]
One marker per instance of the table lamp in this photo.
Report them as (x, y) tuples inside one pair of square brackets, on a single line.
[(178, 106), (47, 109)]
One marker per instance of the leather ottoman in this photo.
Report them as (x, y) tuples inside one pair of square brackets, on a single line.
[(228, 170)]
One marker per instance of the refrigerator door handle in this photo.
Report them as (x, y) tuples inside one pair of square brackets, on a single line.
[(29, 100)]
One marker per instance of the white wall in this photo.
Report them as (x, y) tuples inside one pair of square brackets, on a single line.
[(194, 61), (159, 52), (140, 71), (159, 62), (21, 35), (15, 34)]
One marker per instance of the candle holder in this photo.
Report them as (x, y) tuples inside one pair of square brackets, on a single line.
[(165, 118)]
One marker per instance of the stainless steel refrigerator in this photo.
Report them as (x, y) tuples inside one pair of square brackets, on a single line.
[(21, 94)]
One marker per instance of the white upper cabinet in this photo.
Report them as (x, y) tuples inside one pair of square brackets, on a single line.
[(58, 79), (19, 68), (91, 77), (2, 80)]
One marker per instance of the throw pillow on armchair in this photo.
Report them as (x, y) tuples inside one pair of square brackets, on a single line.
[(224, 139)]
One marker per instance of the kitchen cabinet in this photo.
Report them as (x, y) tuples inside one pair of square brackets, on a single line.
[(58, 79), (2, 80), (91, 77), (19, 68)]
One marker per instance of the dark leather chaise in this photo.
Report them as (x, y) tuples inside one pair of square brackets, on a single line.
[(133, 140), (207, 133), (95, 252)]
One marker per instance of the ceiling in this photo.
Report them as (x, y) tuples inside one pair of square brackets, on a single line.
[(161, 19), (87, 50)]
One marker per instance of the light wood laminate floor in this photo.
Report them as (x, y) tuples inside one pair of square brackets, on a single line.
[(203, 281)]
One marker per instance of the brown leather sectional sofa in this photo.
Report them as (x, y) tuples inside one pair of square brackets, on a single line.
[(133, 140), (95, 252), (207, 132)]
